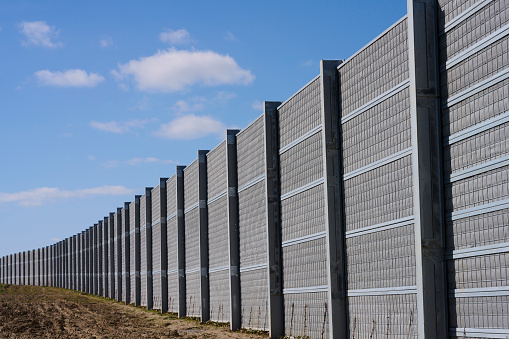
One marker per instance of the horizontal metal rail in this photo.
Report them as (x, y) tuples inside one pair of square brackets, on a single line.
[(380, 227), (478, 251), (476, 170), (464, 15), (311, 289), (379, 163), (383, 291)]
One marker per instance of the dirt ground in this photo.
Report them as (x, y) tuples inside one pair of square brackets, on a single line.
[(44, 312)]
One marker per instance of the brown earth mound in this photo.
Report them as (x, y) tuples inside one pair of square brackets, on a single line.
[(44, 312)]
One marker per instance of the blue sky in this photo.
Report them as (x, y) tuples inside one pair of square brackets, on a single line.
[(99, 99)]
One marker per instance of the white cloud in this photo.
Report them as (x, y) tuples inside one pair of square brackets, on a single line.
[(224, 96), (174, 70), (149, 160), (38, 196), (119, 126), (308, 63), (69, 78), (106, 41), (257, 105), (230, 37), (191, 127), (183, 106), (178, 37), (38, 33)]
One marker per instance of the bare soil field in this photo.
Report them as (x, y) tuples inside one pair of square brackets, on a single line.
[(44, 312)]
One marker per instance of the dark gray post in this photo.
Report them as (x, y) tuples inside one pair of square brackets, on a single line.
[(118, 248), (233, 228), (334, 226), (87, 262), (204, 236), (273, 191), (164, 245), (111, 256), (181, 242), (127, 254), (427, 169), (137, 251)]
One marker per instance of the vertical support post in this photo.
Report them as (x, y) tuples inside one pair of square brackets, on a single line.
[(181, 242), (164, 245), (111, 256), (273, 199), (204, 236), (334, 226), (127, 254), (137, 252), (233, 228), (86, 263), (148, 247), (427, 169), (79, 259), (118, 248)]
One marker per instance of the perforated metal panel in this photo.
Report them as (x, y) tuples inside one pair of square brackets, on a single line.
[(376, 69), (132, 231), (216, 170), (395, 314), (301, 164), (304, 264), (192, 236), (461, 71), (193, 303), (306, 315), (156, 247), (125, 243), (143, 250), (191, 184), (300, 113), (218, 234), (219, 296), (377, 133), (251, 152), (385, 191), (381, 259), (252, 226)]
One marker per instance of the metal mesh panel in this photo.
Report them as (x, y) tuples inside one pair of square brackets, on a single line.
[(216, 170), (254, 299), (385, 191), (218, 233), (156, 233), (449, 9), (115, 243), (376, 69), (477, 149), (191, 184), (124, 251), (172, 242), (193, 304), (479, 312), (219, 296), (131, 249), (156, 291), (304, 264), (156, 247), (143, 250), (479, 230), (171, 195), (252, 225), (479, 25), (381, 259), (481, 271), (173, 292), (300, 113), (476, 68), (303, 214), (477, 108), (377, 133), (192, 222), (301, 164), (105, 253), (369, 314), (308, 316), (251, 152), (477, 190)]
